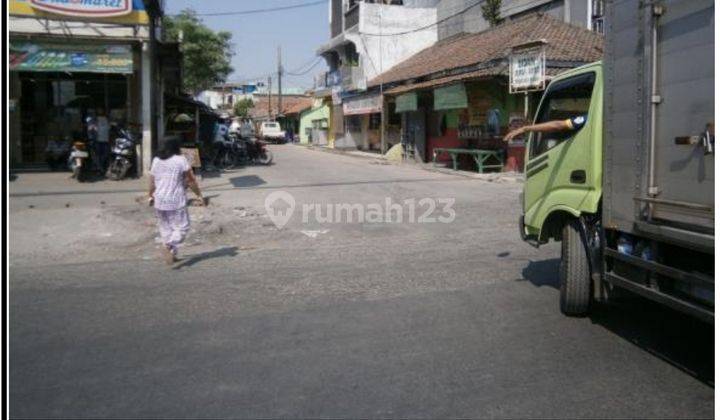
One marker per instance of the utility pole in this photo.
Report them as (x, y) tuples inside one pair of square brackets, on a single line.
[(280, 72), (383, 140), (269, 98)]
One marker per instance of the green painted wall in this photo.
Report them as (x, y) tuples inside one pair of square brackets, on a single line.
[(307, 117)]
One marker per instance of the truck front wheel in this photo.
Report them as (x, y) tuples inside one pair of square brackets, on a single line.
[(575, 283)]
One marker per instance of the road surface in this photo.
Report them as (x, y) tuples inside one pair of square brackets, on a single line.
[(420, 320)]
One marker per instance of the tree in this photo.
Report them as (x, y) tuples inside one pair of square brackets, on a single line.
[(491, 11), (242, 107), (206, 53)]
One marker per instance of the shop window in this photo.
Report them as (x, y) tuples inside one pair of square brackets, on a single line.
[(566, 99), (55, 105)]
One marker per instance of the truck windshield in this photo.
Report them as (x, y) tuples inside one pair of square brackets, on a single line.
[(565, 99)]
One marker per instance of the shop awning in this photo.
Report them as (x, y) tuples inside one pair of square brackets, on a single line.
[(71, 57), (362, 105), (450, 97), (406, 102)]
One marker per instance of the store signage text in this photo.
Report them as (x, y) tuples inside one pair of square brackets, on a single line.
[(527, 71), (367, 105), (84, 8)]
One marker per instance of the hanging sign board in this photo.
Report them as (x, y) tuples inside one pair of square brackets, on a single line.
[(527, 69), (364, 105), (127, 12), (68, 57), (450, 97), (88, 8), (407, 102)]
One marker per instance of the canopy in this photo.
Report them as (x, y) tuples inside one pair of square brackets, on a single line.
[(407, 102), (69, 57), (450, 97)]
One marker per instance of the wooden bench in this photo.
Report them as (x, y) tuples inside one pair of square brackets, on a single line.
[(479, 155)]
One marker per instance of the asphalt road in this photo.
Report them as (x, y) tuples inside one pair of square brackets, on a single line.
[(416, 320)]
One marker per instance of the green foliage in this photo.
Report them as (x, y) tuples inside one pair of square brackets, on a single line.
[(206, 53), (491, 11), (242, 107)]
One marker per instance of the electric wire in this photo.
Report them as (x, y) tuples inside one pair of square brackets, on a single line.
[(266, 10)]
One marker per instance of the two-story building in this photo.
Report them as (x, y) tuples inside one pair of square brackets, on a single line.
[(465, 16), (70, 60), (366, 38)]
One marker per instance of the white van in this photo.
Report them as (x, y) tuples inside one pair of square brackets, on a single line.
[(270, 131)]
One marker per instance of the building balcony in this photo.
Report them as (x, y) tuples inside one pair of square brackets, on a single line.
[(352, 17), (328, 80), (346, 77), (352, 78)]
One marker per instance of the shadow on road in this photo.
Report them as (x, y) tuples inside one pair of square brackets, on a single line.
[(229, 251), (246, 181), (679, 339)]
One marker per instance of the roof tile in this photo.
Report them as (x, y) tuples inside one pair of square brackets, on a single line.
[(565, 42)]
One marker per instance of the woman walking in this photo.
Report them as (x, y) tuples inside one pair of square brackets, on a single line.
[(170, 175)]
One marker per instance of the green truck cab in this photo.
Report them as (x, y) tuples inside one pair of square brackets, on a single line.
[(630, 194), (564, 170)]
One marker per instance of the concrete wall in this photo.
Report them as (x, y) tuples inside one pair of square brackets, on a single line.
[(379, 53), (470, 21), (354, 139), (571, 11), (308, 116)]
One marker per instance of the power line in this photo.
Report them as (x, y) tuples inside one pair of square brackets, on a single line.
[(445, 19), (314, 61), (319, 59), (266, 10), (310, 61)]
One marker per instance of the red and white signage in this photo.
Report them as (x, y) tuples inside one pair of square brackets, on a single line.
[(84, 8)]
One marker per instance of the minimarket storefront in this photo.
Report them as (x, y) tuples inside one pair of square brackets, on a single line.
[(55, 85)]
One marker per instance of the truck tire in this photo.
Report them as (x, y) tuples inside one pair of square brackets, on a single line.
[(575, 282)]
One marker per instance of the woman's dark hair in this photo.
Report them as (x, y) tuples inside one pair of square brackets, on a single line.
[(171, 147)]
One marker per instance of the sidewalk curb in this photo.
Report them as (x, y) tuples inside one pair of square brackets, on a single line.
[(501, 177), (344, 152)]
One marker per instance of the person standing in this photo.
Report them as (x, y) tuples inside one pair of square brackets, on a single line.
[(102, 141), (170, 174)]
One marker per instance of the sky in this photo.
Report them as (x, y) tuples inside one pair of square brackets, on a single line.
[(256, 37)]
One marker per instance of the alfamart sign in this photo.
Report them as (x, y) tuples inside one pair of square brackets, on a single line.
[(84, 8)]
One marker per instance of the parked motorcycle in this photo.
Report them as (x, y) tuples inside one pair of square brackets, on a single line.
[(258, 152), (79, 160), (122, 156), (236, 151), (227, 152)]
